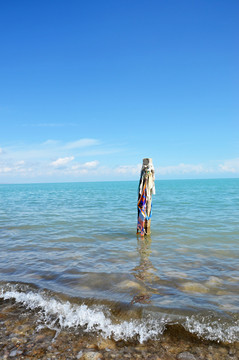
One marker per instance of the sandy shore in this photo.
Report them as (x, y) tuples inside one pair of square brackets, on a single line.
[(22, 338)]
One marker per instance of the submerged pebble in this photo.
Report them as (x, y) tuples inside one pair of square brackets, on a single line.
[(44, 343), (193, 287), (186, 356), (213, 281), (128, 284), (91, 356)]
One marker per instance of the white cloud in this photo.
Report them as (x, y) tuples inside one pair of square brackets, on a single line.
[(182, 169), (14, 168), (50, 142), (50, 149), (164, 170), (62, 161), (179, 169), (54, 159), (81, 143), (85, 167), (20, 163), (5, 169), (128, 169), (91, 164), (230, 166), (50, 159)]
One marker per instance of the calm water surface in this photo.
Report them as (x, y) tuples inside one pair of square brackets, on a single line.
[(76, 243)]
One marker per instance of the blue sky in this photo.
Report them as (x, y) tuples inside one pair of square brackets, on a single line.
[(90, 88)]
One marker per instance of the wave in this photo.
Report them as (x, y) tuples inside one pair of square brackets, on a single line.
[(58, 314), (214, 330)]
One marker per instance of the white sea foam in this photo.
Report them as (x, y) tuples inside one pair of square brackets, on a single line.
[(56, 314), (213, 330)]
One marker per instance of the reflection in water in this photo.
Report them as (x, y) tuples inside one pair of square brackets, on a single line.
[(145, 272)]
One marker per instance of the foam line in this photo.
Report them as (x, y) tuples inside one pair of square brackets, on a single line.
[(67, 315), (57, 314), (213, 330)]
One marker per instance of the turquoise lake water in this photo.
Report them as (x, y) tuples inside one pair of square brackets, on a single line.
[(71, 249)]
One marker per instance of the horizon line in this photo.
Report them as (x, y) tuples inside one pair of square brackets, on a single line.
[(102, 181)]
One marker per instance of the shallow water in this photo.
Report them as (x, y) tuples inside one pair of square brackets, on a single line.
[(71, 249)]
